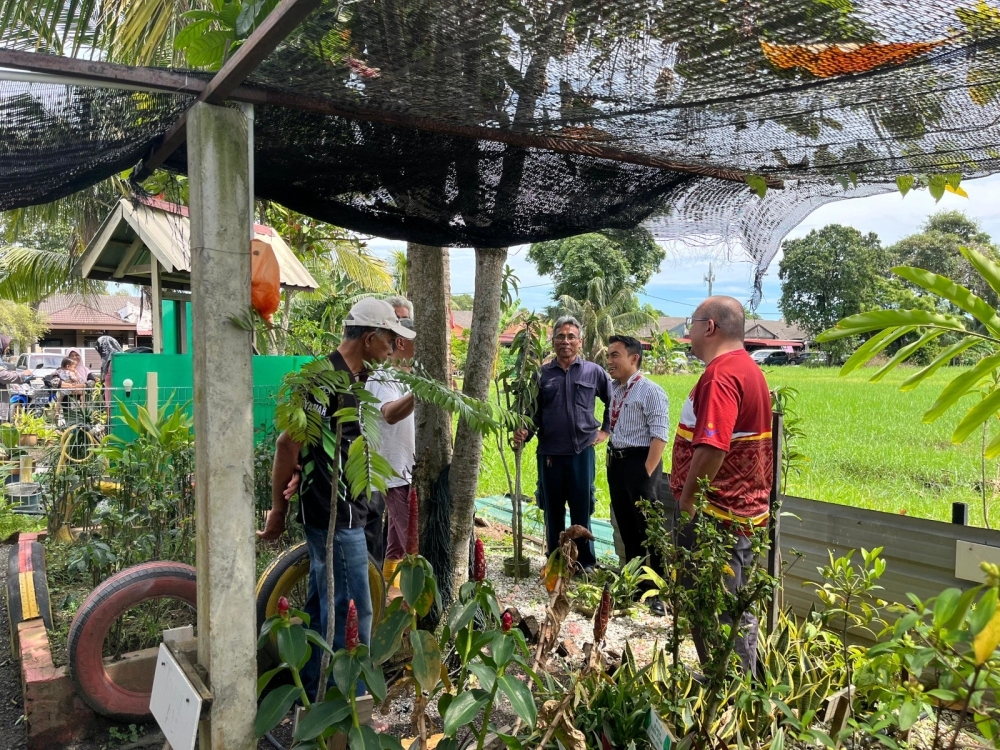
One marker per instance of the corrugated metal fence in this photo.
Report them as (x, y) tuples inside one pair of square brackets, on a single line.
[(920, 554)]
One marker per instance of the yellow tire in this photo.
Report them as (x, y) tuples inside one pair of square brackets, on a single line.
[(288, 576)]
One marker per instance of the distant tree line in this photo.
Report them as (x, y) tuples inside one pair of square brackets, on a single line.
[(837, 271)]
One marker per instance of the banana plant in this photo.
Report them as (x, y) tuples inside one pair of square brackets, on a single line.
[(977, 331)]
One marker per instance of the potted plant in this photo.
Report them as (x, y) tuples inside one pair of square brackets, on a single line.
[(517, 386), (29, 427), (10, 452)]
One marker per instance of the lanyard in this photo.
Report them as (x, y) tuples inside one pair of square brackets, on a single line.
[(618, 403)]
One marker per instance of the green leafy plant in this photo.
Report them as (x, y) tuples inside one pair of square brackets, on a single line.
[(783, 399), (936, 184), (623, 587), (335, 709), (516, 388), (694, 589)]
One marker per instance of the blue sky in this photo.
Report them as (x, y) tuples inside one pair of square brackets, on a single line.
[(678, 286)]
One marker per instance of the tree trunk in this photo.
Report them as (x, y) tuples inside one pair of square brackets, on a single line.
[(484, 339), (427, 282)]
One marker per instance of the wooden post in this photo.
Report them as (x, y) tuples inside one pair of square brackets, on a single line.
[(223, 416), (774, 523), (153, 394), (180, 308), (157, 304)]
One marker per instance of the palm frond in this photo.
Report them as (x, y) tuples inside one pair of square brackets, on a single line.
[(137, 32), (365, 270), (29, 275)]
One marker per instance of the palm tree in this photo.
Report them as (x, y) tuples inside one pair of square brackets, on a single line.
[(134, 32), (39, 245), (604, 313)]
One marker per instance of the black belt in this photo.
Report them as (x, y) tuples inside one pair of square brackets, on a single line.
[(619, 453)]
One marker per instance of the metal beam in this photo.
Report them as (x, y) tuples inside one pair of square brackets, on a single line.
[(278, 24), (112, 75)]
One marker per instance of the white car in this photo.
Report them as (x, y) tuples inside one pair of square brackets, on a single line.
[(41, 365), (761, 354)]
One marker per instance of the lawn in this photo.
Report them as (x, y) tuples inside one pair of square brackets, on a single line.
[(866, 444)]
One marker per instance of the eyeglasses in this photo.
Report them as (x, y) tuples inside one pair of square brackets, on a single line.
[(563, 337), (689, 321)]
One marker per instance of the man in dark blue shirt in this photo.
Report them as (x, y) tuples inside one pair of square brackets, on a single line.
[(568, 389)]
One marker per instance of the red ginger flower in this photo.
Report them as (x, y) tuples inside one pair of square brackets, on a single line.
[(283, 608), (352, 639), (602, 615), (506, 621), (479, 562), (413, 527)]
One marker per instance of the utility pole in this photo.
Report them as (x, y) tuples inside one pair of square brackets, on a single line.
[(710, 278)]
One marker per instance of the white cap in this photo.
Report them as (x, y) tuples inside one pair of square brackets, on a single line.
[(377, 313)]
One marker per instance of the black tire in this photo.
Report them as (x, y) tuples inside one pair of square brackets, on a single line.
[(114, 597)]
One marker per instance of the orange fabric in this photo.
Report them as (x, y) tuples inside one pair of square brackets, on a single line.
[(265, 279), (825, 60)]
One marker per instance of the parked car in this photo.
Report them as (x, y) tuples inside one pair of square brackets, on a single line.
[(41, 365), (779, 358), (91, 357), (761, 354), (813, 358)]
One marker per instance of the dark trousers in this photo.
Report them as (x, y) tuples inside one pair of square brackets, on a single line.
[(568, 480), (627, 484), (740, 558), (374, 529)]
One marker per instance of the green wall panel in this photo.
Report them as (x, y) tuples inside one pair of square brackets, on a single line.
[(175, 376)]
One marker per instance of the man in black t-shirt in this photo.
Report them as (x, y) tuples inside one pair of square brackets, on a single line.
[(370, 333)]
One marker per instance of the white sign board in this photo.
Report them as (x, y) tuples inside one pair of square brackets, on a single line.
[(656, 730), (175, 702), (968, 555)]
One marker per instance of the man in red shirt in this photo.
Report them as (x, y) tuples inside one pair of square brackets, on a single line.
[(725, 435)]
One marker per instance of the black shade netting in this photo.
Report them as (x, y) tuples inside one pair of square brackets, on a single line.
[(437, 189), (426, 120), (56, 140)]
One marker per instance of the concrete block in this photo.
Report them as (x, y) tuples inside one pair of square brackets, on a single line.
[(54, 713)]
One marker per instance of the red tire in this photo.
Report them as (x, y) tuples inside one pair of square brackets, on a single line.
[(108, 602)]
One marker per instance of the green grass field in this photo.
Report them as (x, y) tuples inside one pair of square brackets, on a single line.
[(866, 443)]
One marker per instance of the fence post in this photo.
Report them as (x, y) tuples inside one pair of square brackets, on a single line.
[(153, 395), (774, 520)]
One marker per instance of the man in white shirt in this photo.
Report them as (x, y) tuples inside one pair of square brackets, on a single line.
[(397, 445), (640, 429)]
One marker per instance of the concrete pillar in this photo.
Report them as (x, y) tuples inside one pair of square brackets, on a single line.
[(157, 311), (223, 415)]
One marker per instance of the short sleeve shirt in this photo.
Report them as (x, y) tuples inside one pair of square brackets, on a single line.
[(729, 409), (397, 440), (317, 469)]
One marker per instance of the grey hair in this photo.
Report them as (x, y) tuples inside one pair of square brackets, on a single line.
[(564, 321), (399, 301)]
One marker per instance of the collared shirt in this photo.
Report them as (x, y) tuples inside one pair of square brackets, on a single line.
[(643, 414), (317, 467), (729, 409), (564, 419)]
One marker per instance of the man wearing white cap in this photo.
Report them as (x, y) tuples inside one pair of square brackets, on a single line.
[(370, 332)]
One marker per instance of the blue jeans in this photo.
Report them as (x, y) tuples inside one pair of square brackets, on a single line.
[(350, 581)]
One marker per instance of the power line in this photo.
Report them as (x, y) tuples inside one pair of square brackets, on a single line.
[(519, 288), (664, 299)]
